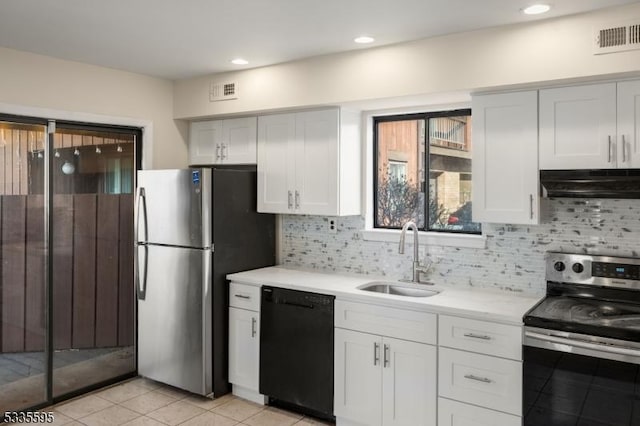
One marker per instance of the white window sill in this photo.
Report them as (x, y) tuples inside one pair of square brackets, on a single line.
[(427, 238)]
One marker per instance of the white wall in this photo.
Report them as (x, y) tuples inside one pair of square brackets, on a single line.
[(36, 81), (542, 51)]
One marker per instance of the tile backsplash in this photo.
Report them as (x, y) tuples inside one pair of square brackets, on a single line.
[(513, 259)]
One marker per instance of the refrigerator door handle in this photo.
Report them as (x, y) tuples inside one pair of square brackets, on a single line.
[(141, 290), (141, 204)]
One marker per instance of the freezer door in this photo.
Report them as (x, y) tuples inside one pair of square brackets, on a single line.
[(173, 207), (174, 318)]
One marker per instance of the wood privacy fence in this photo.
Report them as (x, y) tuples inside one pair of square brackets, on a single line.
[(93, 290), (18, 145)]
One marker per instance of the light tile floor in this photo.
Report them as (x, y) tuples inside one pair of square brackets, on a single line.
[(142, 402)]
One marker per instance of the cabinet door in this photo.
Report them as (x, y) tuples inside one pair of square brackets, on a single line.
[(244, 348), (205, 138), (578, 127), (358, 377), (505, 153), (276, 168), (629, 124), (239, 141), (316, 153), (409, 381)]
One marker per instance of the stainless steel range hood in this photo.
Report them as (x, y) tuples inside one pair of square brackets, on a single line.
[(591, 183)]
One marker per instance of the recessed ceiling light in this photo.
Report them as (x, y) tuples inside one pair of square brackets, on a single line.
[(239, 61), (364, 39), (536, 9)]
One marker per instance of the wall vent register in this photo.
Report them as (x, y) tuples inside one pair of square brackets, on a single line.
[(223, 91), (617, 37)]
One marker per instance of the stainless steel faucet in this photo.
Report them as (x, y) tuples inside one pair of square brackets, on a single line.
[(417, 267)]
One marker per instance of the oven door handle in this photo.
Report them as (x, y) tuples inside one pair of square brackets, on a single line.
[(594, 346)]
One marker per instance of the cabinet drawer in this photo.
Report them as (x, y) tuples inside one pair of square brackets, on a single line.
[(454, 413), (384, 321), (481, 336), (244, 296), (490, 382)]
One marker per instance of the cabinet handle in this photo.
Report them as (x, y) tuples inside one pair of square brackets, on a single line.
[(242, 296), (387, 358), (477, 336), (222, 151), (609, 160), (253, 327), (376, 353), (297, 199), (624, 150), (217, 151), (530, 206), (478, 379), (289, 199)]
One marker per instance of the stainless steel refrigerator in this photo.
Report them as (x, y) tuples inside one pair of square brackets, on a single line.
[(193, 227)]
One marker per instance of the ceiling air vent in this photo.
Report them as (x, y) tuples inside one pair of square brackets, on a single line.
[(223, 91), (617, 37)]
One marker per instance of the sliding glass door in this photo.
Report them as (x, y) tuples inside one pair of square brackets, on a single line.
[(23, 357), (66, 244), (93, 173)]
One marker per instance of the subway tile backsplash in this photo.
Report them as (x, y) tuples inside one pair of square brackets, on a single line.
[(513, 259)]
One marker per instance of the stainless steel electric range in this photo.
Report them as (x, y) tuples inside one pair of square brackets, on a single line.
[(582, 344)]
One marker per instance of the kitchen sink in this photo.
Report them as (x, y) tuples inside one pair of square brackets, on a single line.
[(398, 289)]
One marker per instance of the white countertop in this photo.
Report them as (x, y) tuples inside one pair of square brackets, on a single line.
[(484, 304)]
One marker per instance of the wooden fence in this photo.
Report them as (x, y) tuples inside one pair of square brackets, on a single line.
[(93, 290), (18, 145)]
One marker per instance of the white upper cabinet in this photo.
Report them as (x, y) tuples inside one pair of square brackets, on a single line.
[(204, 142), (231, 141), (276, 168), (309, 163), (505, 153), (239, 141), (578, 127), (629, 124)]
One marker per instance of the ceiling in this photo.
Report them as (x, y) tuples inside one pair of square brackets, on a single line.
[(184, 38)]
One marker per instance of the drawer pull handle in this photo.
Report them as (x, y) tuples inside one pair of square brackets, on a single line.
[(376, 353), (477, 336), (478, 379), (242, 296)]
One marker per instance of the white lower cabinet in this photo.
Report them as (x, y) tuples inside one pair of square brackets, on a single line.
[(453, 413), (358, 377), (244, 353), (383, 381), (408, 383), (482, 380)]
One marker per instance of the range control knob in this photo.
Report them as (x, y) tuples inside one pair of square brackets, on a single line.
[(558, 266), (577, 268)]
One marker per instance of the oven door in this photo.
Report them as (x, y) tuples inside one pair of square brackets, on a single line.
[(573, 379)]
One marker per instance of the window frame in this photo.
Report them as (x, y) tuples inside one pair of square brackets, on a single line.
[(411, 116)]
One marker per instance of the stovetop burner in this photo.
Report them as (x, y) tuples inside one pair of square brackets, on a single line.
[(587, 311), (586, 294)]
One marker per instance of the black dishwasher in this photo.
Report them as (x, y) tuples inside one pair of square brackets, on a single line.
[(296, 350)]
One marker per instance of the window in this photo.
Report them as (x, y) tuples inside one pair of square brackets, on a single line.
[(422, 165)]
